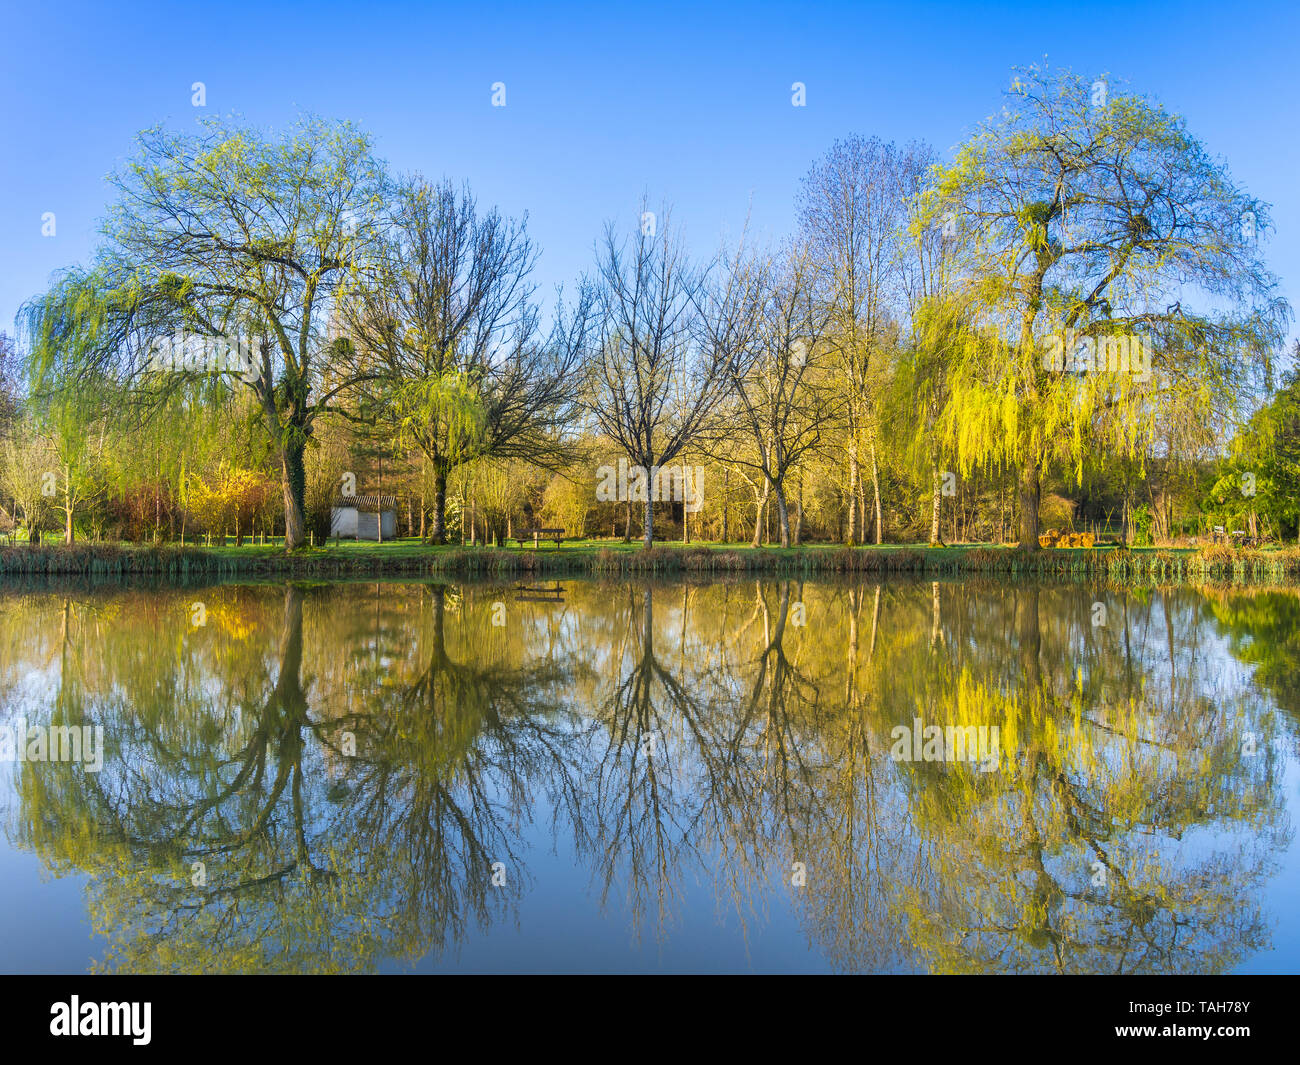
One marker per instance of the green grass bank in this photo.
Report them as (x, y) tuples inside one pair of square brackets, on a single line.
[(401, 558)]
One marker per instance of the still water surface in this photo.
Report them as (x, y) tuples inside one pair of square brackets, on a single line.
[(663, 777)]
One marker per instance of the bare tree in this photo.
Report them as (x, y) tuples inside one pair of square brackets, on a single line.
[(782, 397), (448, 347), (853, 213), (669, 335)]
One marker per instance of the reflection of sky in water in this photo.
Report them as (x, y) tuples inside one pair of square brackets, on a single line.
[(573, 904)]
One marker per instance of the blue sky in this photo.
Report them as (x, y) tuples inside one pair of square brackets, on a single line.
[(686, 103)]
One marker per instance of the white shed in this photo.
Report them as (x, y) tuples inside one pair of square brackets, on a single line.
[(364, 517)]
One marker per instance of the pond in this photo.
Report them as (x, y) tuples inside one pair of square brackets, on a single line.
[(774, 775)]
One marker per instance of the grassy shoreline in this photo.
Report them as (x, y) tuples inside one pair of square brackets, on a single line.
[(410, 558)]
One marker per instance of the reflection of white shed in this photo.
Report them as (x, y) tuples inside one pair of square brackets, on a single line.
[(364, 517)]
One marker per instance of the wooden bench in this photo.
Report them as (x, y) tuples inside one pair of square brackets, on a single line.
[(539, 593), (537, 535)]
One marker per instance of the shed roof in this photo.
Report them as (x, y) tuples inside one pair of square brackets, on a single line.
[(367, 503)]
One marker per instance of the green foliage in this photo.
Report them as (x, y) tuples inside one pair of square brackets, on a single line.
[(1143, 521), (1059, 234), (446, 406), (399, 320)]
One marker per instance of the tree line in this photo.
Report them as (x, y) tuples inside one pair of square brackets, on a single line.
[(1069, 323)]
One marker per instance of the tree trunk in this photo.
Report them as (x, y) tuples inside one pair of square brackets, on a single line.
[(649, 515), (783, 515), (69, 532), (761, 515), (875, 486), (293, 480), (438, 533), (627, 524), (936, 493), (798, 521), (1030, 495), (852, 536)]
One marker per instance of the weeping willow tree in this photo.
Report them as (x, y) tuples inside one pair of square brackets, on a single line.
[(1109, 265), (449, 403), (71, 391), (920, 391), (108, 417), (225, 235), (444, 416)]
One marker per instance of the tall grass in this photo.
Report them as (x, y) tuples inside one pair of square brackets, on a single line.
[(99, 560)]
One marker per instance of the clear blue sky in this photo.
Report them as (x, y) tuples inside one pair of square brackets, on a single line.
[(688, 103)]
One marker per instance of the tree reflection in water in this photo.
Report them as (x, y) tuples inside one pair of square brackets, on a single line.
[(323, 778)]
